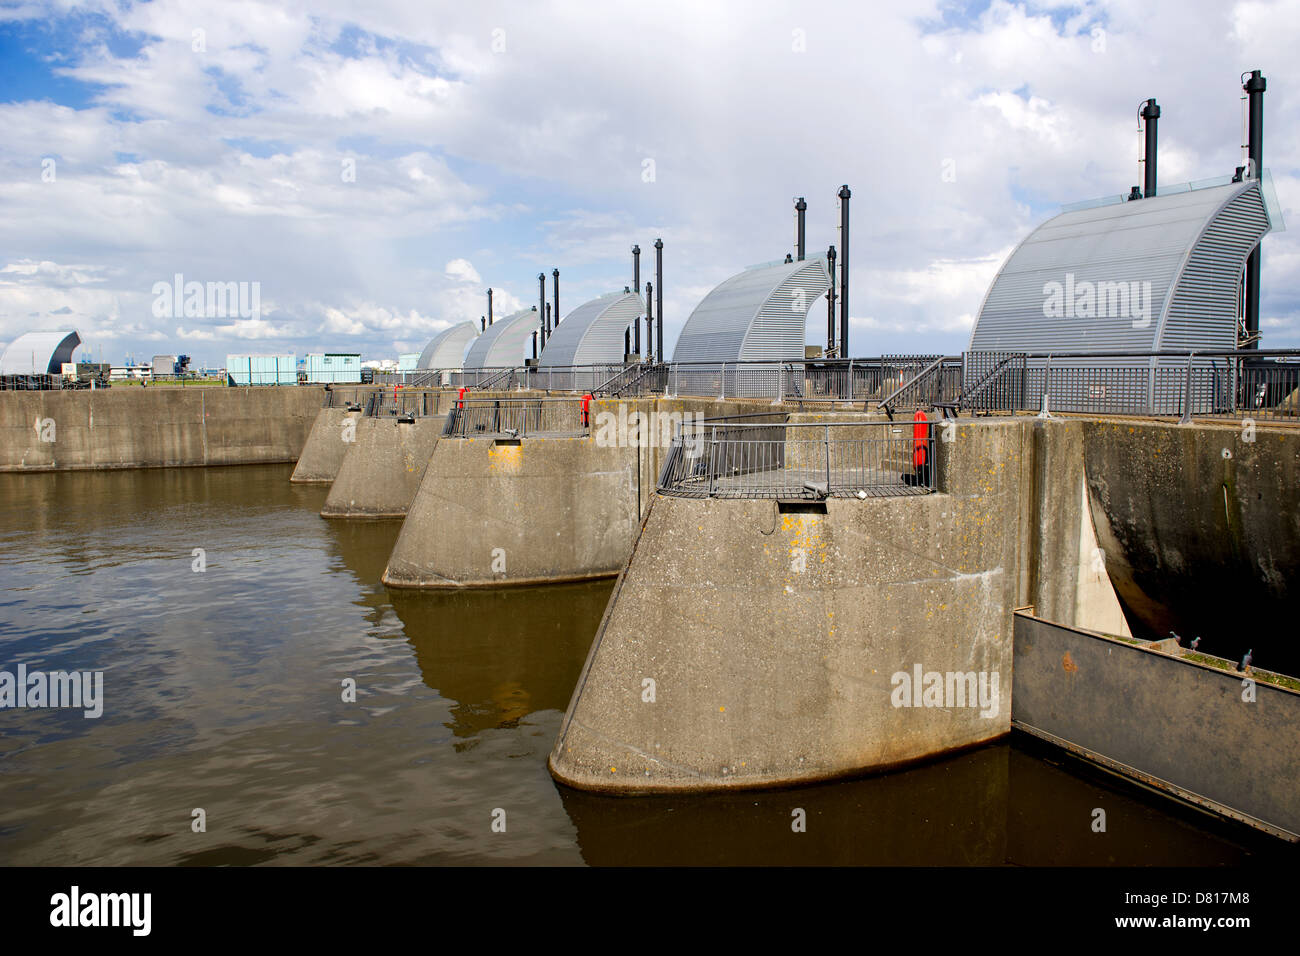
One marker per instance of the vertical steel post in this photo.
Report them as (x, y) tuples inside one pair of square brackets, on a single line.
[(830, 303), (1187, 393), (555, 293), (1151, 115), (828, 459), (800, 207), (659, 296), (649, 323), (1254, 87), (844, 195)]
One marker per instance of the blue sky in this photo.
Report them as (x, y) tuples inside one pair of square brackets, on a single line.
[(492, 141)]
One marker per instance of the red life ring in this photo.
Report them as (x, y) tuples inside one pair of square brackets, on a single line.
[(920, 439)]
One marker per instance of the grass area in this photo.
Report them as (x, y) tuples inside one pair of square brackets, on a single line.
[(1263, 677), (187, 383)]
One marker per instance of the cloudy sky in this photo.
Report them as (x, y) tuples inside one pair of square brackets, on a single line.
[(376, 165)]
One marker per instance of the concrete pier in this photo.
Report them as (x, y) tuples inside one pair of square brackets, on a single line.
[(327, 444), (382, 469), (495, 511), (751, 646), (492, 513), (771, 640)]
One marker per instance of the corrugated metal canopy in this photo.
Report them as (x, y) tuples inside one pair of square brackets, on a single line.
[(1151, 274), (592, 334), (40, 353), (446, 350), (760, 314), (502, 345)]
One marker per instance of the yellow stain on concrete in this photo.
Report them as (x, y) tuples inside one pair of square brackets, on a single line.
[(505, 457)]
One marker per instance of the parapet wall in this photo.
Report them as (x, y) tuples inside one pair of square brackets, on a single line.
[(154, 427)]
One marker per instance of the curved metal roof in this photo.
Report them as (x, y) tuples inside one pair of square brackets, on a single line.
[(592, 334), (41, 353), (447, 348), (1155, 273), (502, 345), (760, 314)]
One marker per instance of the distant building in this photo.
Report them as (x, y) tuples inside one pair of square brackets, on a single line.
[(1163, 273), (408, 361), (760, 314), (1140, 276), (164, 366), (592, 334), (342, 367), (262, 369), (39, 353), (503, 344), (446, 350), (123, 373)]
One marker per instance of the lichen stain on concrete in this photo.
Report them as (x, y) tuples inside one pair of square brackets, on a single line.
[(505, 457)]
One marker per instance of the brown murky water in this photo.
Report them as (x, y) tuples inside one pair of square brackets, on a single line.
[(223, 692)]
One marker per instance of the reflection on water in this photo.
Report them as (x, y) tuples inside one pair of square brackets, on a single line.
[(223, 691), (501, 654)]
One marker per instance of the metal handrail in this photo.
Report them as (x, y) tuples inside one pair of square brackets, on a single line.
[(517, 417), (887, 404), (800, 461)]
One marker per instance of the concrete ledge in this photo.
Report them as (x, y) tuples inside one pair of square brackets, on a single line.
[(382, 470)]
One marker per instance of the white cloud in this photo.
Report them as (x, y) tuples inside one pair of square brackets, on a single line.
[(333, 152), (461, 270)]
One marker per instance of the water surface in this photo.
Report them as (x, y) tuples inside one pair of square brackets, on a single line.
[(223, 691)]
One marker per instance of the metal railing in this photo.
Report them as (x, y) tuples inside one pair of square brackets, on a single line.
[(1257, 384), (30, 382), (401, 402), (1261, 384), (936, 385), (517, 417), (809, 461)]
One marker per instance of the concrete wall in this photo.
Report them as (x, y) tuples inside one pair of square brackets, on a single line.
[(1178, 507), (1063, 574), (772, 639), (1171, 723), (382, 468), (155, 427)]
